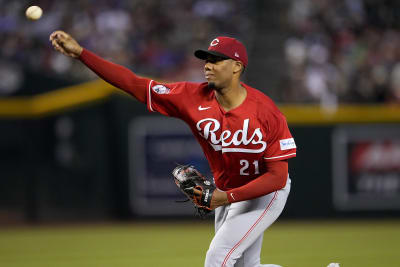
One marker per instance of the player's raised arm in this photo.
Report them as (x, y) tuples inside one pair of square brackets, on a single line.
[(115, 74)]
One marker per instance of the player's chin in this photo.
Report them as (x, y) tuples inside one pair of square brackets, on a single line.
[(214, 86), (211, 85)]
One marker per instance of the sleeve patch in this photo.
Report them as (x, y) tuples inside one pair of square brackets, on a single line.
[(161, 89), (287, 144)]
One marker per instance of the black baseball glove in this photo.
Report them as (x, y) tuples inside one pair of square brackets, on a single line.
[(196, 187)]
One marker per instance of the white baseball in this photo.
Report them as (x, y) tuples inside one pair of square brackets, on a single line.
[(33, 12)]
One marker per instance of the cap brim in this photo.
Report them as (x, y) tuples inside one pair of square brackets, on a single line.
[(203, 54)]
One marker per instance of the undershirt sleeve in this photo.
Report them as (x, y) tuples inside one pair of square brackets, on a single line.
[(274, 179), (117, 75)]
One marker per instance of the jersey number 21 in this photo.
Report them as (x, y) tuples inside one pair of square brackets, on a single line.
[(245, 170)]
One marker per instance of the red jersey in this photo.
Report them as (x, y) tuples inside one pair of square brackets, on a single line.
[(239, 144), (236, 143)]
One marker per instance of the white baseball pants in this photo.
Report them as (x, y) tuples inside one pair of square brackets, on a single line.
[(239, 229)]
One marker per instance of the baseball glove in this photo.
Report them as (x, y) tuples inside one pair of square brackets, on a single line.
[(195, 186)]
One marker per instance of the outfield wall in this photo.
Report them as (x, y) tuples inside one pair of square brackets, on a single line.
[(80, 153)]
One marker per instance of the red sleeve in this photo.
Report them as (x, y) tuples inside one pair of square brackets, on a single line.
[(274, 179), (171, 99), (167, 98), (280, 143), (116, 75)]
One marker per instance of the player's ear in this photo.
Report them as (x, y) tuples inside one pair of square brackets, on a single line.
[(237, 67)]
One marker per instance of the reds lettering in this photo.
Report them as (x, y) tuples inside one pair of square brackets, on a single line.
[(208, 127)]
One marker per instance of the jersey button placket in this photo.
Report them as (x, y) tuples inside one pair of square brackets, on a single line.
[(224, 126)]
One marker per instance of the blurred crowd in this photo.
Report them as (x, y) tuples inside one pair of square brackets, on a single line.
[(343, 51), (338, 51), (151, 37)]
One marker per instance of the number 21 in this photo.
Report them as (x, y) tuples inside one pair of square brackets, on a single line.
[(245, 165)]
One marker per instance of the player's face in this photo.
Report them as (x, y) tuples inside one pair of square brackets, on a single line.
[(218, 72)]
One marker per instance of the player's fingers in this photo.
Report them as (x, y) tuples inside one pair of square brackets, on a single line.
[(59, 39), (197, 192), (62, 36), (56, 45), (54, 35), (61, 50), (54, 42)]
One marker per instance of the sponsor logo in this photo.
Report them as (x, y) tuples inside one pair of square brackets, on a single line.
[(287, 144), (214, 42), (203, 108), (236, 54), (228, 141), (232, 196), (375, 157), (160, 89), (207, 182)]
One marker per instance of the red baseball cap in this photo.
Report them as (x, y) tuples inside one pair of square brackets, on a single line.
[(225, 47)]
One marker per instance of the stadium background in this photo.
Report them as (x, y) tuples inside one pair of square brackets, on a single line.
[(72, 154)]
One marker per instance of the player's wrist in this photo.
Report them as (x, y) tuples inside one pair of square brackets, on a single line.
[(79, 51), (219, 198)]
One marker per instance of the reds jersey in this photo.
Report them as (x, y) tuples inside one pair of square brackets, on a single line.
[(237, 143)]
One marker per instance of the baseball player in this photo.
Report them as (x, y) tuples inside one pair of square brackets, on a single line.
[(244, 136)]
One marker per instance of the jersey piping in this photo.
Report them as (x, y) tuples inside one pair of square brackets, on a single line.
[(149, 96), (250, 230), (281, 156)]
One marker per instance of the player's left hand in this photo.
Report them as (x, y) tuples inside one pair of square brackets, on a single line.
[(198, 189), (219, 198)]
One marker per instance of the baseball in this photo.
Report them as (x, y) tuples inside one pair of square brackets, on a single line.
[(33, 12)]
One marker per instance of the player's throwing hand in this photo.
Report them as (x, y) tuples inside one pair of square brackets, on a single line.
[(65, 44)]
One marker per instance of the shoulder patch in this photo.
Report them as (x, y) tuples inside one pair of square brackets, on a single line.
[(161, 89), (287, 144)]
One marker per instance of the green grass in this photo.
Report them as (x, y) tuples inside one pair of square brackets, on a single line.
[(289, 243)]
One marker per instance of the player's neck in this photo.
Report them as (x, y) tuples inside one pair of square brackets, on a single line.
[(231, 97)]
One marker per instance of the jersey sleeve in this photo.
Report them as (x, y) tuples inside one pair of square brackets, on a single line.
[(167, 98), (280, 143), (115, 74)]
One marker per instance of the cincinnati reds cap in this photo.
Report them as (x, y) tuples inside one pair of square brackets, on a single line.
[(225, 47)]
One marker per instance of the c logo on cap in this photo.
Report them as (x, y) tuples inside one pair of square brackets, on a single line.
[(214, 42)]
